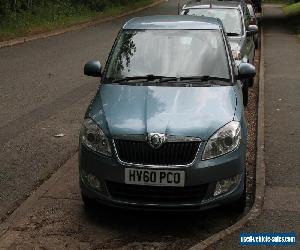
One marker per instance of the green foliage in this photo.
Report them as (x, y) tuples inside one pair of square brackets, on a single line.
[(8, 7), (292, 9), (97, 5), (293, 16), (280, 1), (20, 17)]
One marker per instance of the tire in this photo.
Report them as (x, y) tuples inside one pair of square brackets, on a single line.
[(256, 43), (88, 202), (245, 93), (251, 82), (259, 9)]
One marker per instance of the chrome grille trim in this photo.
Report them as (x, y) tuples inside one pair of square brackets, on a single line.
[(169, 139)]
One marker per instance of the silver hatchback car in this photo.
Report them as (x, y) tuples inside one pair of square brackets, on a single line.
[(236, 19), (166, 129)]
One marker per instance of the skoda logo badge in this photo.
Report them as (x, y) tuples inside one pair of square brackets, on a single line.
[(155, 140)]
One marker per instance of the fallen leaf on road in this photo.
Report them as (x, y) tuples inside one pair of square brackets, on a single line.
[(59, 135)]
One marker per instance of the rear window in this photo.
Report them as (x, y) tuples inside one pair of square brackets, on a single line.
[(231, 18)]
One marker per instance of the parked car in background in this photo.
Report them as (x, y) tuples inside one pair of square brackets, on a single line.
[(166, 129), (256, 4), (236, 19), (253, 21)]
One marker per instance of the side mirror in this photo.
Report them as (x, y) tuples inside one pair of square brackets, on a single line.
[(246, 71), (93, 68), (252, 30)]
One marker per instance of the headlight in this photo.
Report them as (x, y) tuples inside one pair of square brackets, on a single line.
[(236, 55), (94, 138), (225, 140)]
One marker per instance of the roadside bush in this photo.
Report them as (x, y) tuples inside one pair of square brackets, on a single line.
[(20, 17), (11, 10), (8, 6), (4, 7), (97, 5)]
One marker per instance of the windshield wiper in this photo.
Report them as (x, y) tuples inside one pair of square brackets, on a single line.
[(146, 77), (162, 79), (232, 34), (203, 78)]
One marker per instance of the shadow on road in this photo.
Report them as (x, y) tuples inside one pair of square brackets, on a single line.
[(180, 229)]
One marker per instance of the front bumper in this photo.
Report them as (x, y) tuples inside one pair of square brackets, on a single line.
[(200, 173)]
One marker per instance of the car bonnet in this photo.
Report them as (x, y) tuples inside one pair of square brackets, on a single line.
[(181, 111)]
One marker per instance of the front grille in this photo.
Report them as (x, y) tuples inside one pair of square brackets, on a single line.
[(170, 153), (156, 194)]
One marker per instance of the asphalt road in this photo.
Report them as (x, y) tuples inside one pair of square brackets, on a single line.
[(44, 93)]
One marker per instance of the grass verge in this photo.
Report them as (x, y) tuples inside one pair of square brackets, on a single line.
[(293, 13), (278, 1), (292, 9), (24, 24)]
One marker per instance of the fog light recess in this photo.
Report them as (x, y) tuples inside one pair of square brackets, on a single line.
[(226, 185), (94, 182), (91, 180)]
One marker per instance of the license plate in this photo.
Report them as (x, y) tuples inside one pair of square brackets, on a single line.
[(152, 177)]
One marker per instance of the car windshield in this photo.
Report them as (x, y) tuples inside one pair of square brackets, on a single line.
[(168, 53), (231, 18)]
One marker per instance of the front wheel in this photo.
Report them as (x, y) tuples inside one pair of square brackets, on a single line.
[(88, 202), (251, 82), (256, 43)]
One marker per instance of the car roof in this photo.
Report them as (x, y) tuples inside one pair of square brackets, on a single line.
[(173, 22), (212, 4), (249, 5)]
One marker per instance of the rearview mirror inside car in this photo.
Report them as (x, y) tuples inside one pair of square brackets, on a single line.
[(246, 71), (93, 68), (252, 30)]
